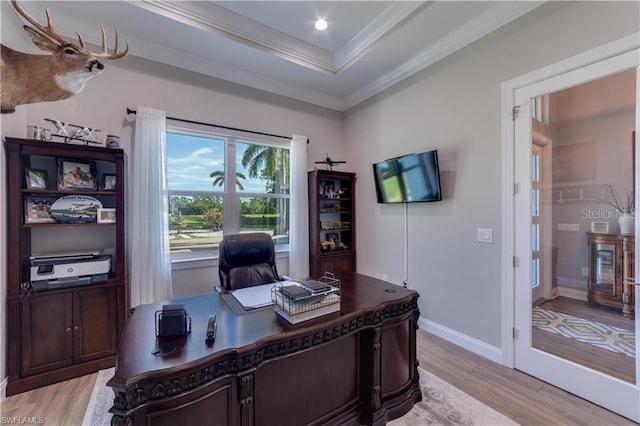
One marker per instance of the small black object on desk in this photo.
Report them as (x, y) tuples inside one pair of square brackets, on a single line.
[(172, 320), (212, 328)]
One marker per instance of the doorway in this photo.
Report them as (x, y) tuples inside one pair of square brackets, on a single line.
[(577, 183)]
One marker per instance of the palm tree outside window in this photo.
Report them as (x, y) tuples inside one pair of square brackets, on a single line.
[(202, 208)]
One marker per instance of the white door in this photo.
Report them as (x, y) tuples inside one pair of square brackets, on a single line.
[(612, 393)]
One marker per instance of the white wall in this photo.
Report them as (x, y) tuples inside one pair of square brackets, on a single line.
[(454, 106)]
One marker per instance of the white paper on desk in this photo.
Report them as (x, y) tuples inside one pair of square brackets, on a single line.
[(288, 282), (254, 297)]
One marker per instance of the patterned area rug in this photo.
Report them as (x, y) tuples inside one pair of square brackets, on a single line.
[(603, 336), (442, 404), (97, 412)]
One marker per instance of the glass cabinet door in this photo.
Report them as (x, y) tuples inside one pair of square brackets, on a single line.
[(603, 268)]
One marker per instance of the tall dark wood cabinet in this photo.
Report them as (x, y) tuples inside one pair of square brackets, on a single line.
[(332, 222), (58, 333)]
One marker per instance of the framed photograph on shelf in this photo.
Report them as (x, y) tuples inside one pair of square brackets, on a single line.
[(75, 174), (108, 182), (106, 215), (36, 178), (327, 189), (38, 209), (334, 240)]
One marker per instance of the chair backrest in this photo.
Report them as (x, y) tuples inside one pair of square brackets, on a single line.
[(246, 260)]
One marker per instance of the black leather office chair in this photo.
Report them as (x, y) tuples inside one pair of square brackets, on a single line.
[(246, 260)]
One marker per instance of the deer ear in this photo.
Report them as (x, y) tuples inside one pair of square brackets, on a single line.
[(41, 41)]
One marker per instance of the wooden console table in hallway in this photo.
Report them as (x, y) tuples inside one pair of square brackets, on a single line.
[(611, 260), (357, 366)]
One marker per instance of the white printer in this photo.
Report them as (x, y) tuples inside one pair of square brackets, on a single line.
[(56, 270)]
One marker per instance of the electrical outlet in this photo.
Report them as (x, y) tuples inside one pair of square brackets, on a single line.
[(384, 277), (585, 272), (485, 235)]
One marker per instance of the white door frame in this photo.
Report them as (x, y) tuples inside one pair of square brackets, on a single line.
[(509, 88)]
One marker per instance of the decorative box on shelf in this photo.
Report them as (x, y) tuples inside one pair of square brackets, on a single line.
[(302, 300)]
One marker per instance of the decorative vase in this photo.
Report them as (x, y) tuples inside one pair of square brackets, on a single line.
[(113, 141), (627, 223)]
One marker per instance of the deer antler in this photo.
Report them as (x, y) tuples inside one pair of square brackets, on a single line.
[(50, 31), (114, 54)]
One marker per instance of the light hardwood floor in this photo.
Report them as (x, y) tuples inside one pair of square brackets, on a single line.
[(523, 398)]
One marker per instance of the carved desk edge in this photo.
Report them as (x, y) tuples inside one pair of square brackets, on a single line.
[(153, 386)]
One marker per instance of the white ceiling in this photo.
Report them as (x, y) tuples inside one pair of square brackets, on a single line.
[(273, 45)]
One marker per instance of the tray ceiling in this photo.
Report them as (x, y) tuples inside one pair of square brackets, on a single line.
[(273, 45)]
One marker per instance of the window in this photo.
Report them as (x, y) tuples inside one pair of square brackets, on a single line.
[(224, 184)]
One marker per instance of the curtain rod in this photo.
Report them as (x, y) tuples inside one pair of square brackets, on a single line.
[(133, 111)]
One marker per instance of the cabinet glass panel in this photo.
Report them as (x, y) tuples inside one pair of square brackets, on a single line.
[(603, 268), (335, 214)]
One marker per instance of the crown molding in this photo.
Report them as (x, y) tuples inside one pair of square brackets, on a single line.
[(492, 19), (383, 24), (184, 60), (211, 18), (215, 19), (202, 65)]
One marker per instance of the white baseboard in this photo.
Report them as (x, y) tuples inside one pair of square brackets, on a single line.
[(3, 389), (470, 343), (572, 293)]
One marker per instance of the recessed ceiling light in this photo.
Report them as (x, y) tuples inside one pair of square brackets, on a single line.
[(321, 24)]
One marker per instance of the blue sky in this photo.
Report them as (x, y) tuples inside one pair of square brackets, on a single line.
[(190, 160)]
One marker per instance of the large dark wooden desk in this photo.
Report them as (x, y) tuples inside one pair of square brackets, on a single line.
[(354, 367)]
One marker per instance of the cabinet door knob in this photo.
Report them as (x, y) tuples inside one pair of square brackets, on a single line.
[(76, 327), (69, 329)]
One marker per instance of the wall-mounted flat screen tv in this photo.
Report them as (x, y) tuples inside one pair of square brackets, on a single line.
[(408, 179)]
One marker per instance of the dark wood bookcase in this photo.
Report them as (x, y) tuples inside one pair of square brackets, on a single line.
[(332, 222), (58, 334)]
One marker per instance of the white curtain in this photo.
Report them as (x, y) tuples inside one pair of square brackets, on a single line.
[(299, 210), (150, 262)]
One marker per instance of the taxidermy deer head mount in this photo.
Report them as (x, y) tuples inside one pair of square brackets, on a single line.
[(28, 78)]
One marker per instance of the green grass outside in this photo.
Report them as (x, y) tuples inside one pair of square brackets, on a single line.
[(198, 221)]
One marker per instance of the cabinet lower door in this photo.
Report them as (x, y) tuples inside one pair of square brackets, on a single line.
[(95, 325), (47, 333), (334, 263)]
